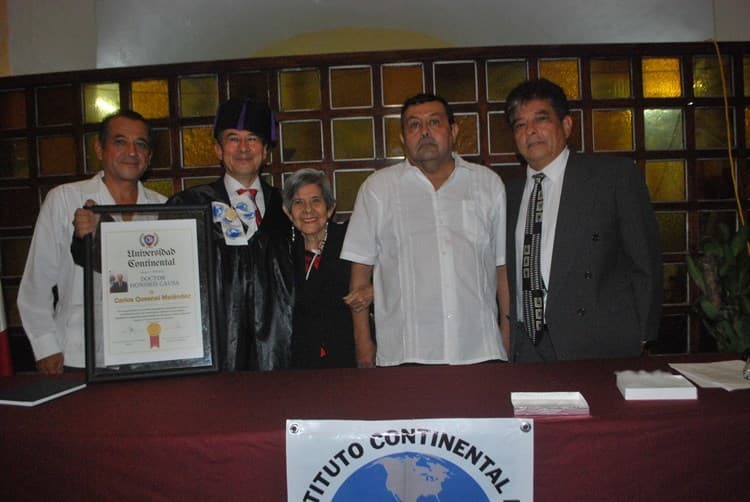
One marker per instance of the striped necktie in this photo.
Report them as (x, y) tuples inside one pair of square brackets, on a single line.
[(252, 192), (531, 272)]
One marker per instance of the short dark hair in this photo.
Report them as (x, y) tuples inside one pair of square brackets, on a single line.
[(540, 88), (427, 97), (128, 114), (305, 177)]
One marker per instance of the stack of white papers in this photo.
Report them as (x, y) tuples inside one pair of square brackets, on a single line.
[(548, 403), (724, 374), (654, 385)]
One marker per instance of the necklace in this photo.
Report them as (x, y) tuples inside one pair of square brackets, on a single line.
[(317, 252)]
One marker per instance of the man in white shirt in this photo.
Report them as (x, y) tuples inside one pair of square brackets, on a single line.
[(55, 331), (600, 287), (430, 234), (254, 277)]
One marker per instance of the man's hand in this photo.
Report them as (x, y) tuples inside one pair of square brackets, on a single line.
[(84, 220), (51, 365), (359, 299)]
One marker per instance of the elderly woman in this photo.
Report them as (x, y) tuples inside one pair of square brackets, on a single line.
[(322, 333)]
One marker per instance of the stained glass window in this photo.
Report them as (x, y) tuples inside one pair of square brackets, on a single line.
[(503, 76), (400, 82)]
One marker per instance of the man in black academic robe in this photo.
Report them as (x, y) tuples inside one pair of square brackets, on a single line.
[(254, 275)]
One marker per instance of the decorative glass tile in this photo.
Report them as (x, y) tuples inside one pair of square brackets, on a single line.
[(346, 183), (675, 283), (14, 158), (503, 76), (711, 128), (610, 79), (501, 135), (467, 142), (57, 155), (662, 77), (199, 96), (400, 82), (12, 110), (708, 222), (164, 187), (707, 76), (673, 335), (351, 87), (99, 100), (161, 149), (301, 141), (510, 172), (575, 141), (13, 252), (299, 90), (613, 130), (353, 138), (198, 147), (392, 131), (285, 176), (563, 72), (672, 231), (55, 105), (714, 179), (93, 164), (456, 81), (251, 85), (663, 129), (150, 98), (665, 180), (194, 182), (18, 197)]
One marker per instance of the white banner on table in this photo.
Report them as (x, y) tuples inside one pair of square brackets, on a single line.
[(448, 459), (151, 308)]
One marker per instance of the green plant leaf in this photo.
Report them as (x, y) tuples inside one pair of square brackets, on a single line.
[(695, 273), (739, 241), (713, 248), (724, 232), (710, 310), (745, 302)]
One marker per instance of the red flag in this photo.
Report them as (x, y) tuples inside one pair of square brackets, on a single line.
[(6, 363)]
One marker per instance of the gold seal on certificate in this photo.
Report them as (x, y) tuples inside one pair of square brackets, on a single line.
[(154, 329)]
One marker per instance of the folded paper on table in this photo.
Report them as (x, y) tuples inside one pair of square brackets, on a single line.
[(724, 374), (654, 385), (549, 403)]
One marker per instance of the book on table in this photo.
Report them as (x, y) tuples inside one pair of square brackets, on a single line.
[(654, 385), (39, 391)]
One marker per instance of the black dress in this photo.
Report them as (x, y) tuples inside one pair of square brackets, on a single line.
[(254, 285), (322, 336)]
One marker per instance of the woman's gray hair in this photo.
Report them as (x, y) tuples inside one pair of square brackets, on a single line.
[(304, 177)]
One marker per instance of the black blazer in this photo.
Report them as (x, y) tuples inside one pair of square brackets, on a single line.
[(605, 285), (321, 318), (254, 285)]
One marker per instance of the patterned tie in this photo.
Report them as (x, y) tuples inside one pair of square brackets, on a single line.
[(531, 273), (253, 192)]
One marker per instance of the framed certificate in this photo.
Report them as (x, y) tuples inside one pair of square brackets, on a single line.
[(148, 292)]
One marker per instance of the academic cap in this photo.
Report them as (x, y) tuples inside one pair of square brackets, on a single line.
[(246, 114)]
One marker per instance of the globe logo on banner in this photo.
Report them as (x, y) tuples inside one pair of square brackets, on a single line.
[(410, 477), (149, 240)]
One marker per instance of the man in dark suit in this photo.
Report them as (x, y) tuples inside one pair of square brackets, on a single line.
[(254, 276), (594, 288), (119, 286)]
